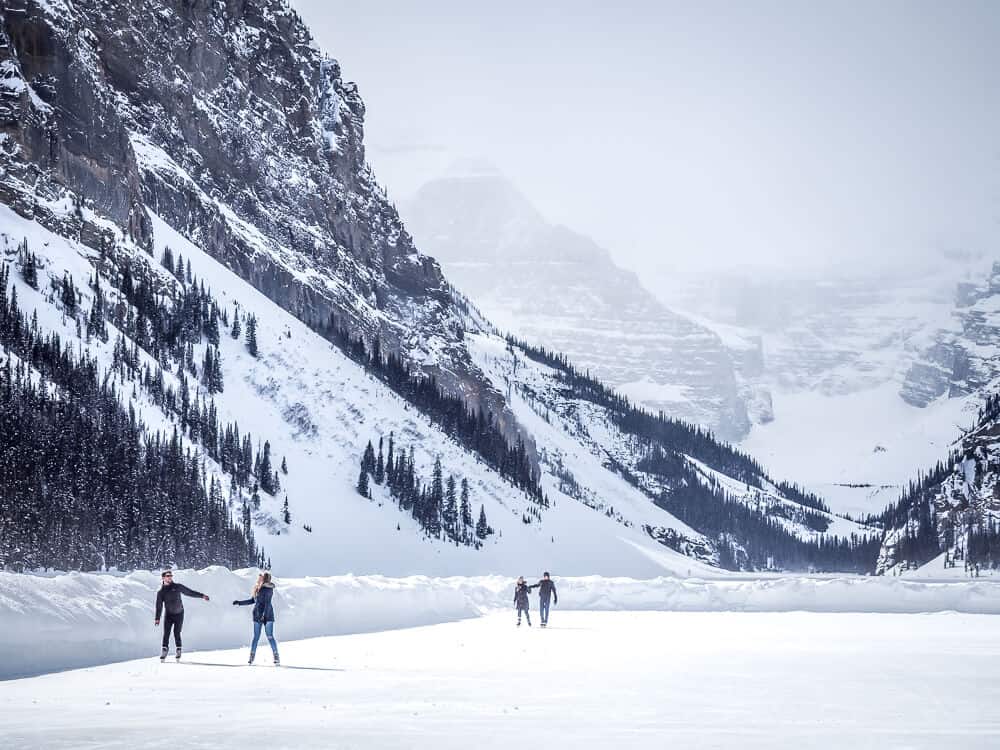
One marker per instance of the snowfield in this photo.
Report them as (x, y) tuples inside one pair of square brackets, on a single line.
[(53, 622), (592, 680)]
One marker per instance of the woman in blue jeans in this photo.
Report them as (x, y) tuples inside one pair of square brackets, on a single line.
[(263, 614)]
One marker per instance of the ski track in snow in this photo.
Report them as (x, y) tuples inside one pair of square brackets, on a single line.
[(593, 680)]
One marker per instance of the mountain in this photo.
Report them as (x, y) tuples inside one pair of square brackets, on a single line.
[(843, 361), (228, 122), (554, 286), (216, 331), (964, 357), (952, 511)]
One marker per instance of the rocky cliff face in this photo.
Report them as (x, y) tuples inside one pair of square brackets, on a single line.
[(558, 288), (227, 121), (964, 356), (946, 509)]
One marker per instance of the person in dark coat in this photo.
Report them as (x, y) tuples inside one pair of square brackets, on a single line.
[(546, 590), (521, 600), (263, 614), (169, 598)]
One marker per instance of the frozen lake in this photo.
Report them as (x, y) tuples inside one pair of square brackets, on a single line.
[(594, 679)]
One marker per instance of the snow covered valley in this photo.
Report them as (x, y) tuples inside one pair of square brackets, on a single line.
[(636, 679)]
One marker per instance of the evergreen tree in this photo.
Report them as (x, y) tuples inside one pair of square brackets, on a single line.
[(368, 459), (434, 502), (252, 335), (167, 261), (95, 321), (363, 484), (29, 266), (390, 467), (449, 514), (465, 507), (235, 333), (482, 528), (285, 514), (379, 465), (67, 295), (264, 471)]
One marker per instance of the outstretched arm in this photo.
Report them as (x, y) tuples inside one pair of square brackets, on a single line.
[(244, 602), (190, 592)]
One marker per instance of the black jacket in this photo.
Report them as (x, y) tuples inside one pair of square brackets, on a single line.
[(546, 589), (262, 609), (169, 596), (521, 595)]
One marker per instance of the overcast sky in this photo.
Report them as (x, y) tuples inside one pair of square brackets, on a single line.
[(697, 135)]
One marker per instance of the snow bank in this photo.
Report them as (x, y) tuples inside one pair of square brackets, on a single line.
[(61, 621)]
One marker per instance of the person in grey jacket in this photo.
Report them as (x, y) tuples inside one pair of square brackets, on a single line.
[(521, 600), (546, 590), (263, 614)]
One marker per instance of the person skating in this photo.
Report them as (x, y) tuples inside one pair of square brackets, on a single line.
[(521, 600), (169, 598), (546, 590), (263, 614)]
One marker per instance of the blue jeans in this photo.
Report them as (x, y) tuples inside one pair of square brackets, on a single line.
[(269, 630), (543, 610)]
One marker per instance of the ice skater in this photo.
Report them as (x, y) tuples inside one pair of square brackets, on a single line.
[(263, 614), (546, 590), (169, 597), (521, 600)]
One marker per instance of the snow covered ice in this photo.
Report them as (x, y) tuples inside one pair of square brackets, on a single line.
[(739, 661), (635, 679)]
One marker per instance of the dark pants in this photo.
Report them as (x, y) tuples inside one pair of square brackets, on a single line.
[(269, 631), (176, 622), (543, 610), (526, 615)]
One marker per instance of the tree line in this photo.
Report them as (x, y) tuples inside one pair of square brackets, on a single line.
[(441, 509), (671, 436), (477, 430), (83, 484), (748, 540)]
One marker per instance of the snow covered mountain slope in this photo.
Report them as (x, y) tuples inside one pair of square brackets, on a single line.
[(582, 428), (225, 137), (840, 362), (963, 358), (950, 514), (555, 287), (229, 123), (319, 408)]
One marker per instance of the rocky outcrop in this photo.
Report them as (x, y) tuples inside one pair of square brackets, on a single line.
[(965, 357), (226, 121)]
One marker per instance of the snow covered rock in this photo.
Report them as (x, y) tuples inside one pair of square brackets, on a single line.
[(557, 288)]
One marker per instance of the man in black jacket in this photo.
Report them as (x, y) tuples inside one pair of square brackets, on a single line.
[(546, 589), (169, 598)]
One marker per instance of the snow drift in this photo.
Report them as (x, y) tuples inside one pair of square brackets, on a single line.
[(62, 621)]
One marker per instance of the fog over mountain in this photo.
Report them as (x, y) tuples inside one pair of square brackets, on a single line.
[(782, 135)]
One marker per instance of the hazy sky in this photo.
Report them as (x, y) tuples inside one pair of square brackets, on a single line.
[(700, 135)]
